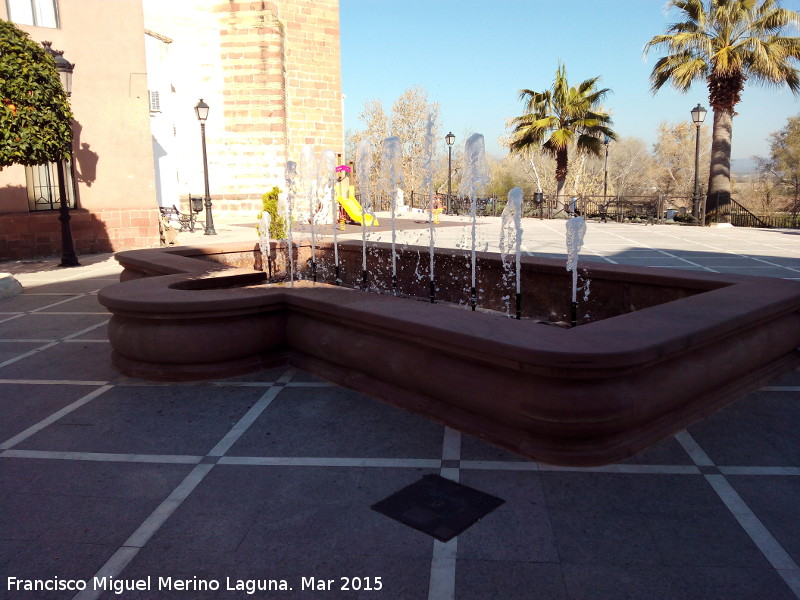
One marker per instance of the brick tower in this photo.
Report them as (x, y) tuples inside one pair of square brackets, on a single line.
[(281, 75)]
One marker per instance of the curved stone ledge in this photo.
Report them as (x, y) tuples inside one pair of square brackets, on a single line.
[(583, 396)]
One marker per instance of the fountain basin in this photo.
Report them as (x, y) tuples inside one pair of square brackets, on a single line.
[(659, 350)]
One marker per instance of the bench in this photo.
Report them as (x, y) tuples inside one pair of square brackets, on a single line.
[(172, 214)]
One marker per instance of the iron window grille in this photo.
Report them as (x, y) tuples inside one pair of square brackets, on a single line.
[(42, 184)]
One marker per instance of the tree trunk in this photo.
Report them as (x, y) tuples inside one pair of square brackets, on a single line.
[(719, 176), (562, 164)]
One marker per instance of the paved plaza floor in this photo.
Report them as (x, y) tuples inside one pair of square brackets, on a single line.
[(267, 479)]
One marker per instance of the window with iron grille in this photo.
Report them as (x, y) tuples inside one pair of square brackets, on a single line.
[(155, 102), (40, 13), (42, 184)]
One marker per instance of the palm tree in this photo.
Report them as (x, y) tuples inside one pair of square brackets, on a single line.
[(560, 116), (726, 42)]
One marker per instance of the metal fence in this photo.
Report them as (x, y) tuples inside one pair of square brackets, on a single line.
[(724, 209), (621, 209)]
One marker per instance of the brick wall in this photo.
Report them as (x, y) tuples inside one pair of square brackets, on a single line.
[(27, 235), (281, 74)]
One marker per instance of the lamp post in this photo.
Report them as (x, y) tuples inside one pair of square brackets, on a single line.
[(449, 138), (606, 142), (68, 256), (698, 115), (201, 110)]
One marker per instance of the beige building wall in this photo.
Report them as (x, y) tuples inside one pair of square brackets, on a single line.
[(112, 150)]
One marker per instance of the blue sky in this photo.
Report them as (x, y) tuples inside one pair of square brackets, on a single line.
[(473, 57)]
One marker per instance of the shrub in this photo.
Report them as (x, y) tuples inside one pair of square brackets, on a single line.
[(277, 224)]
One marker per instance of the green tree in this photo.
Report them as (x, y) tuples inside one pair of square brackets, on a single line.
[(725, 43), (35, 118), (560, 116)]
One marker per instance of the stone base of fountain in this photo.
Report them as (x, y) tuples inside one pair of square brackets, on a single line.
[(655, 350)]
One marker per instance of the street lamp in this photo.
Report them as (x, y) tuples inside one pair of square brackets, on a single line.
[(201, 110), (68, 256), (449, 138), (606, 142), (698, 115)]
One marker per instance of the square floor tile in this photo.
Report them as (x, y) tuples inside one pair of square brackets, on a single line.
[(482, 579), (759, 430), (82, 361), (336, 422), (47, 327), (22, 406), (149, 420)]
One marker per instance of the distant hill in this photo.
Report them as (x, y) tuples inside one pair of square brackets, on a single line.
[(743, 166)]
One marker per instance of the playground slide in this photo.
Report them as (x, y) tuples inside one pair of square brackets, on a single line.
[(353, 208)]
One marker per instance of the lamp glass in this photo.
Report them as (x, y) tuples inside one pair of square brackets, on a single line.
[(450, 138), (201, 110), (698, 114)]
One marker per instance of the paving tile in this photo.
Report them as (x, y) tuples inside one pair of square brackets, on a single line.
[(365, 532), (473, 448), (167, 566), (509, 580), (44, 559), (609, 538), (25, 302), (59, 362), (9, 350), (588, 492), (600, 582), (703, 538), (756, 431), (72, 286), (665, 452), (150, 420), (776, 502), (217, 520), (760, 271), (519, 530), (47, 327), (24, 405), (338, 422), (150, 481), (83, 303), (74, 518)]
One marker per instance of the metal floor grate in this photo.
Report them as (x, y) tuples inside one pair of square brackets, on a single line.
[(437, 506)]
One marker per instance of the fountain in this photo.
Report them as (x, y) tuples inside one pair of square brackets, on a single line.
[(391, 180), (427, 187), (307, 172), (591, 394), (511, 220), (475, 177), (263, 239), (576, 229), (364, 169), (291, 194)]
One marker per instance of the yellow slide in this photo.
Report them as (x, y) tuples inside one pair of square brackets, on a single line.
[(352, 207)]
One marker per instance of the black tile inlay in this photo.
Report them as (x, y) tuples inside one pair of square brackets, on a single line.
[(709, 470), (210, 460), (437, 506), (451, 464)]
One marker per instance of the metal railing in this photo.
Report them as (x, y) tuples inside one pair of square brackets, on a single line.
[(721, 208), (621, 209)]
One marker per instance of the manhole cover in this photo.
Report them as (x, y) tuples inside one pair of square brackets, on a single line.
[(437, 506)]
